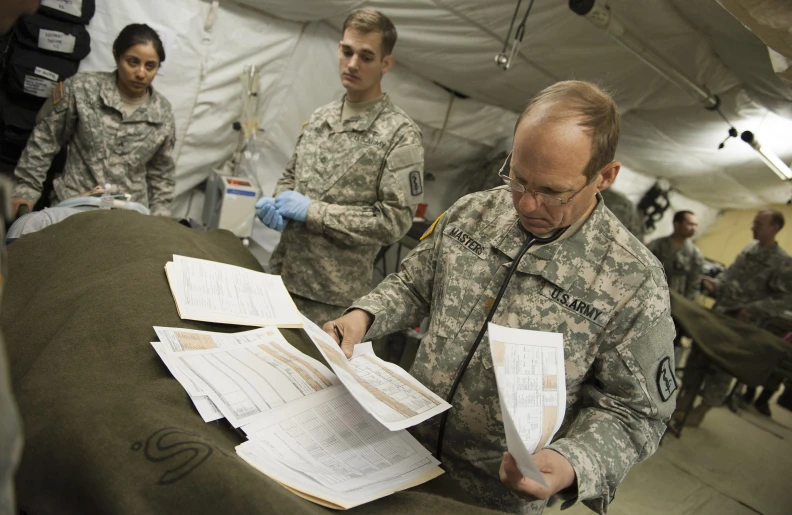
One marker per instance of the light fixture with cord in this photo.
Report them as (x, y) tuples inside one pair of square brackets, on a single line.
[(771, 160)]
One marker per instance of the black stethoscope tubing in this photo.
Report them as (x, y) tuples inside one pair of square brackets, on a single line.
[(529, 242)]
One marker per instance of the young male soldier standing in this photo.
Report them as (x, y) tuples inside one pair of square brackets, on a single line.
[(353, 182)]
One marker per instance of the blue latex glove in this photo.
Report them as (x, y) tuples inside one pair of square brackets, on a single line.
[(269, 215), (291, 204)]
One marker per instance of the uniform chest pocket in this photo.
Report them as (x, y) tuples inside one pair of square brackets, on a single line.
[(138, 142), (681, 262), (339, 175)]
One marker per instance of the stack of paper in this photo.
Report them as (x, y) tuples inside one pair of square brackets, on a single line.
[(306, 429), (529, 370), (216, 292)]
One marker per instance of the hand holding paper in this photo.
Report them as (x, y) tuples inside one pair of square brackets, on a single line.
[(529, 370), (556, 471)]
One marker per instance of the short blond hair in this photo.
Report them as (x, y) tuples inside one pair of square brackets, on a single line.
[(367, 21), (596, 111)]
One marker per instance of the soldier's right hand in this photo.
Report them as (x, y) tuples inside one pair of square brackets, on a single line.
[(708, 283), (16, 202), (350, 329), (269, 216)]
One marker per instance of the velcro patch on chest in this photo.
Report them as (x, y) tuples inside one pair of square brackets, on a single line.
[(572, 303), (467, 241)]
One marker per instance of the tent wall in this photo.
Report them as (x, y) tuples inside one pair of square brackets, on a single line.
[(209, 43), (732, 232)]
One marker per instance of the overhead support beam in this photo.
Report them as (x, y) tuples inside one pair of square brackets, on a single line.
[(601, 17)]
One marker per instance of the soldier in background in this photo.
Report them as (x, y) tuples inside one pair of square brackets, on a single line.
[(597, 284), (755, 289), (681, 259), (352, 184), (625, 211)]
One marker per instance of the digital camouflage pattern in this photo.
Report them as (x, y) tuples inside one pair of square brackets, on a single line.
[(133, 153), (625, 211), (683, 265), (601, 288), (760, 279), (364, 177)]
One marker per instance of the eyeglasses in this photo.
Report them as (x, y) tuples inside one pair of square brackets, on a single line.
[(544, 198)]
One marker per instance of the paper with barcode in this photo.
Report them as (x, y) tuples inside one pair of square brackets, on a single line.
[(529, 370)]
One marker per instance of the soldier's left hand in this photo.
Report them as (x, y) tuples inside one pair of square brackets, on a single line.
[(744, 315), (557, 471), (291, 204)]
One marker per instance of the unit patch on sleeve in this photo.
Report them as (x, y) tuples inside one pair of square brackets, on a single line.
[(562, 298), (57, 93), (416, 187), (666, 382)]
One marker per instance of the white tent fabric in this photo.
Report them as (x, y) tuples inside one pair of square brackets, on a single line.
[(666, 134)]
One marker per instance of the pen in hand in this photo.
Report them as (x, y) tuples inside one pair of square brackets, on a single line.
[(338, 333)]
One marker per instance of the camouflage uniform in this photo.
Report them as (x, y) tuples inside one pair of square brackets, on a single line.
[(760, 279), (133, 154), (600, 287), (364, 177), (683, 265), (625, 211)]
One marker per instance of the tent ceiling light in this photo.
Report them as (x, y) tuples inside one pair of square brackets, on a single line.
[(771, 160)]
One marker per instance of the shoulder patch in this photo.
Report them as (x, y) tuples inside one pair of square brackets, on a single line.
[(666, 381), (57, 93), (431, 228), (416, 188)]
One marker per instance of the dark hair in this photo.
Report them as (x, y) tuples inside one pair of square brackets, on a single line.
[(137, 34), (679, 216), (367, 21), (595, 109), (776, 218)]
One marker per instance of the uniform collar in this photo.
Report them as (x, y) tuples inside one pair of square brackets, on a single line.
[(555, 262), (151, 111), (361, 122)]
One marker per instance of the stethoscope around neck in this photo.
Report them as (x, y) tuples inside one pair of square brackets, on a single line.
[(530, 241)]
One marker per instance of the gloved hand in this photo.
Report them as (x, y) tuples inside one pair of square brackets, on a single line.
[(291, 204), (269, 215)]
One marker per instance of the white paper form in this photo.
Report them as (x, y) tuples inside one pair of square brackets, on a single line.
[(530, 372), (246, 382), (177, 339), (203, 404), (395, 398), (328, 446), (217, 292), (206, 408)]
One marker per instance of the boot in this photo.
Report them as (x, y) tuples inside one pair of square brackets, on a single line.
[(696, 415), (762, 404), (749, 395)]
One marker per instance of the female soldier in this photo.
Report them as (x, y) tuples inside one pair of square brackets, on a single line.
[(117, 129)]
